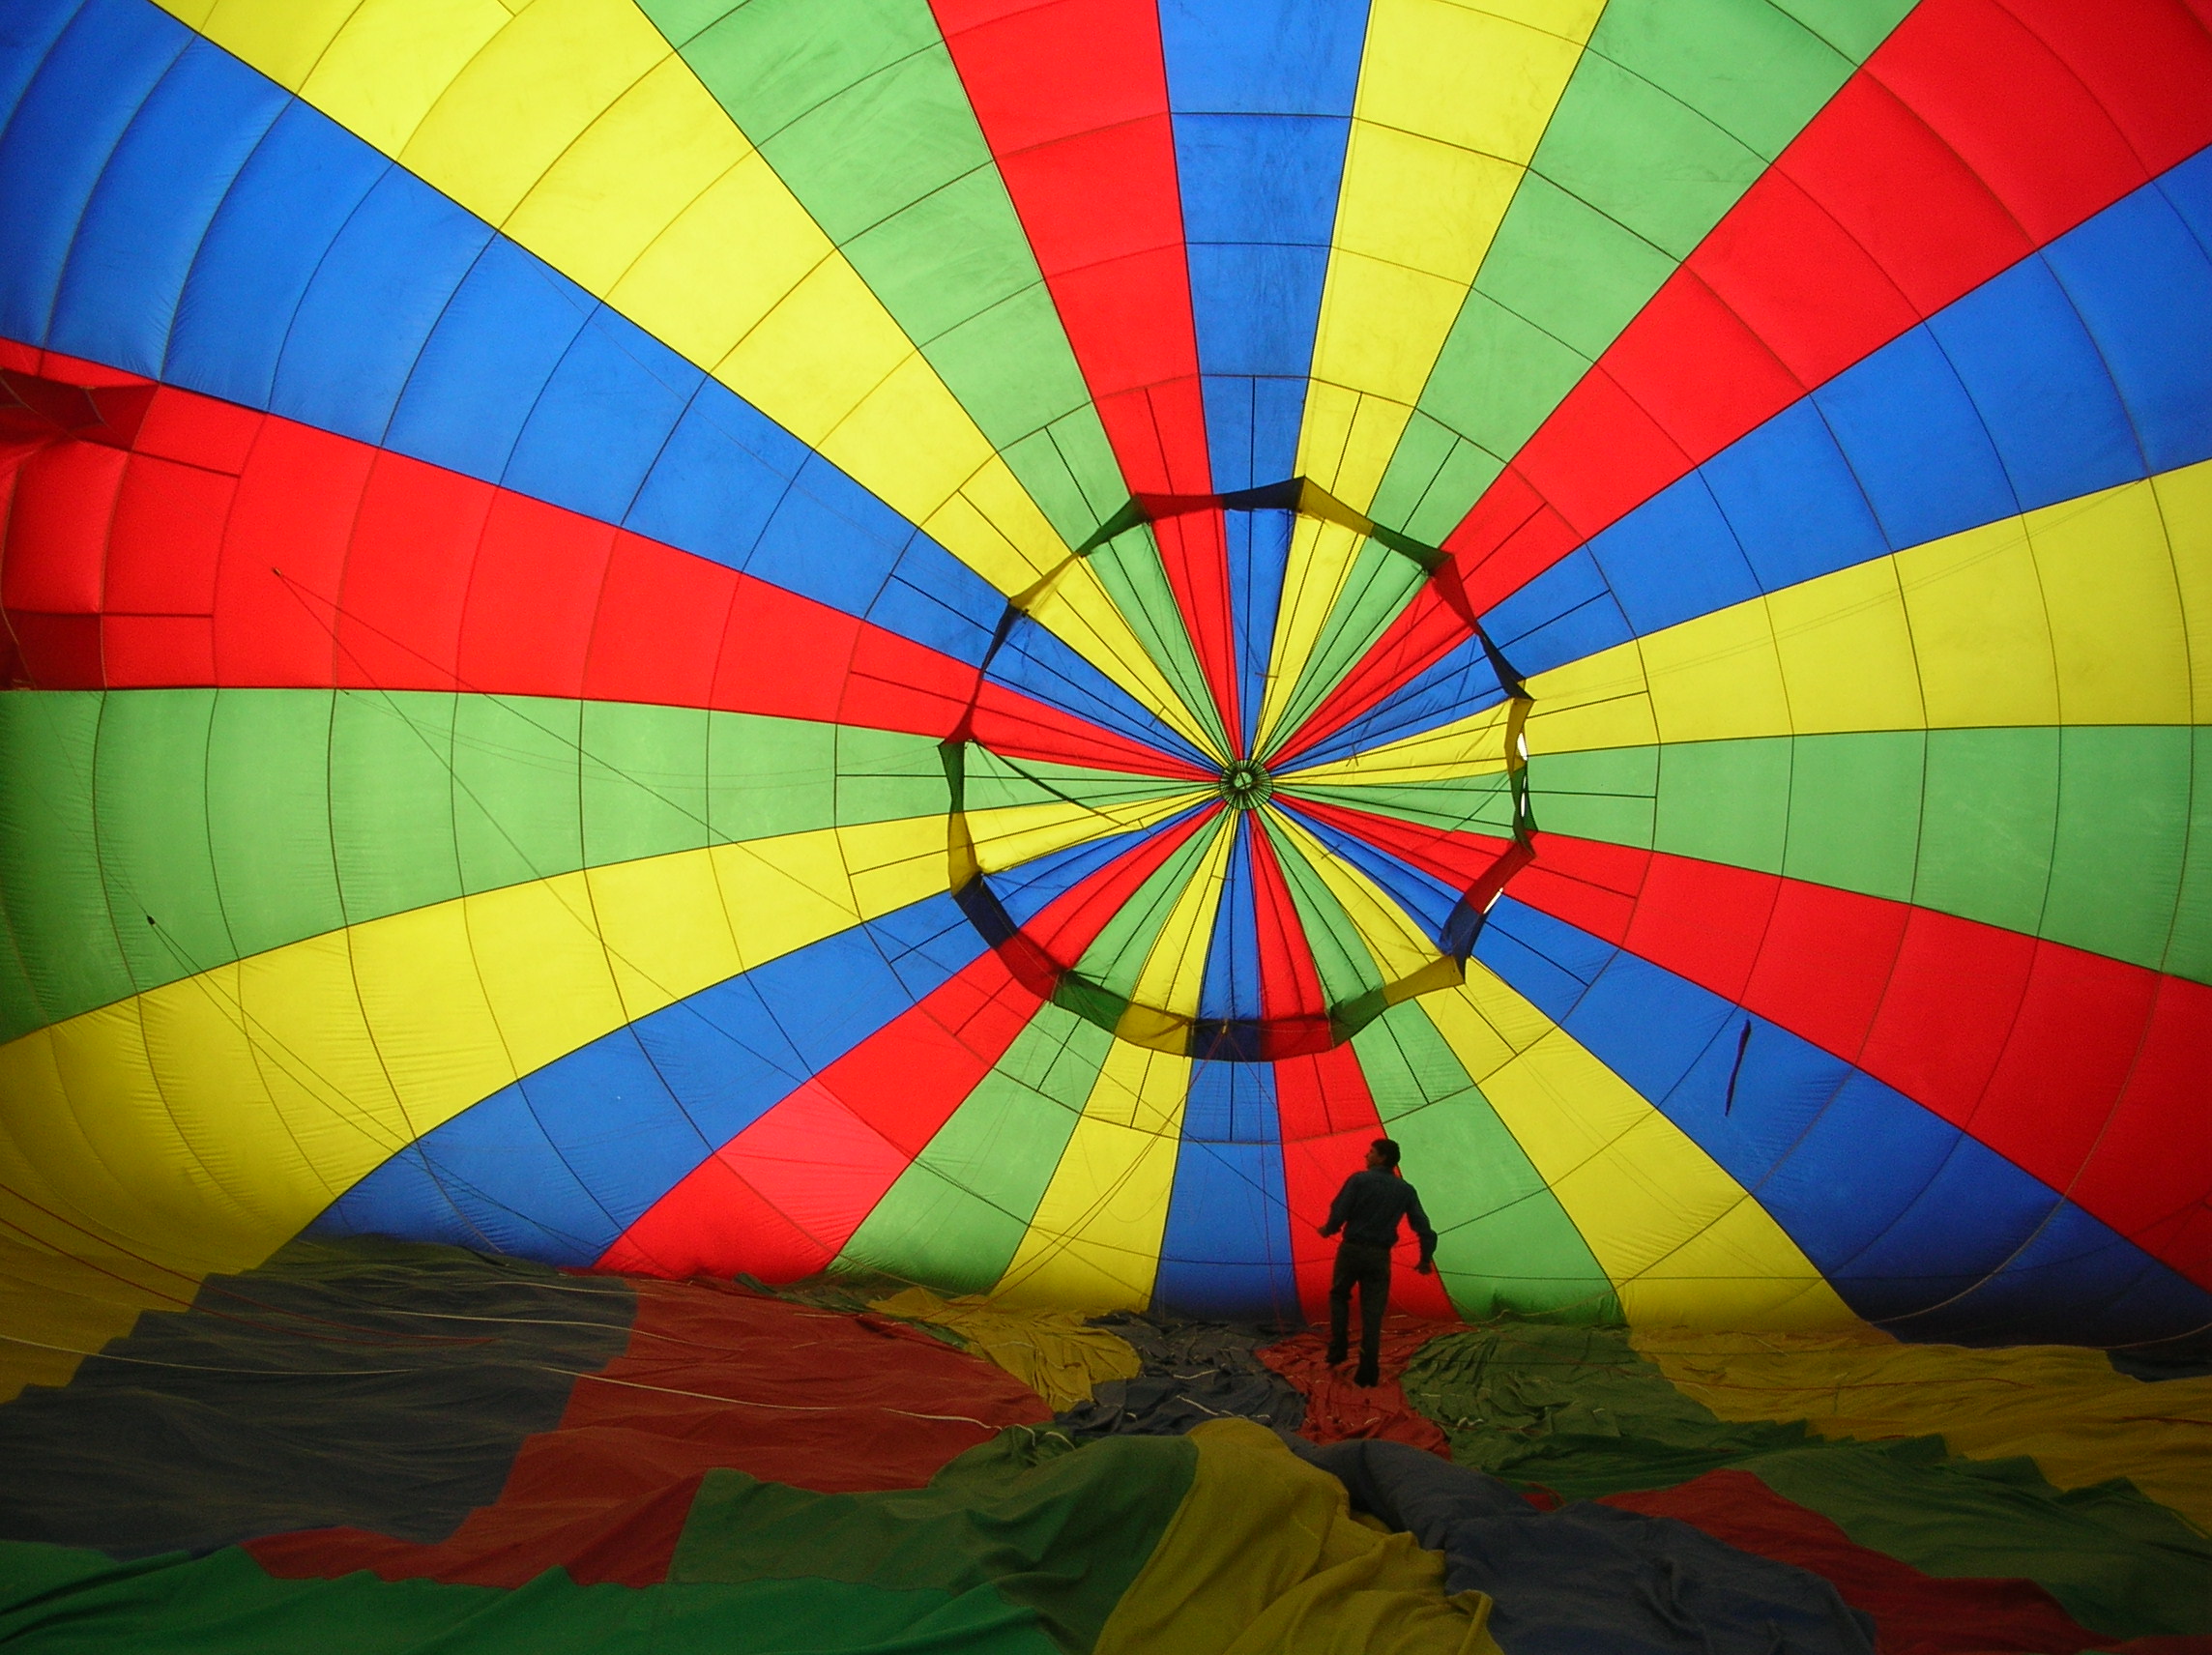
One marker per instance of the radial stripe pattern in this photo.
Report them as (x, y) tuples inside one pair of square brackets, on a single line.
[(977, 640)]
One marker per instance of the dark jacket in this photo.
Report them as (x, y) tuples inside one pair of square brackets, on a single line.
[(1368, 1207)]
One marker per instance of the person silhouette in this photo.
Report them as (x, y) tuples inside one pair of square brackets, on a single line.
[(1367, 1210)]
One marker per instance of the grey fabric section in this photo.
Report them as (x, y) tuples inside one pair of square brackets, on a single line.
[(1194, 1372), (378, 1384), (1588, 1578)]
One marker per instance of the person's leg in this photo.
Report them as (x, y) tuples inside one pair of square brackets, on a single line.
[(1340, 1301), (1374, 1301)]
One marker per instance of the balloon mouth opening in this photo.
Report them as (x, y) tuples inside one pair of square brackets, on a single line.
[(1244, 785)]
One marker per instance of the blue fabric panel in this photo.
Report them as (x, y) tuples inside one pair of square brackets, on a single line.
[(2040, 387), (1906, 1215), (1259, 551), (1038, 663), (1226, 1249), (1455, 687), (381, 286), (2143, 284), (510, 324), (134, 244), (2075, 370), (1674, 557), (287, 205), (332, 287), (1262, 94), (65, 128), (1795, 509), (601, 421), (587, 1143), (1231, 986), (32, 31)]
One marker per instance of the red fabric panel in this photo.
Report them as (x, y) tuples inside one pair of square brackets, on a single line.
[(1072, 98), (239, 549), (1913, 1613), (2076, 1068), (713, 1376), (1971, 136), (781, 1198), (1338, 1411), (1289, 982)]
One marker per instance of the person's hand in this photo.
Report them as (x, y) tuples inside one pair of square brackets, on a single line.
[(1423, 1268), (1322, 1230)]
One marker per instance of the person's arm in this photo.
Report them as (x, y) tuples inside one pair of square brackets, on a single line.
[(1419, 1220), (1337, 1209)]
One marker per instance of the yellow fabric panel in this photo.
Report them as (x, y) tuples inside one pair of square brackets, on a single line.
[(1452, 100), (1264, 1556), (200, 1126), (2079, 613), (2185, 501), (1175, 966), (1398, 948), (1016, 833), (1321, 554), (1680, 1241), (1095, 1238), (57, 1308), (2082, 1422), (575, 129), (1475, 745), (1051, 1352)]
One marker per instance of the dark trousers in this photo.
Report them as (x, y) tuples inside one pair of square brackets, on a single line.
[(1370, 1268)]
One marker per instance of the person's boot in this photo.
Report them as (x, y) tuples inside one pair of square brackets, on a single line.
[(1367, 1376), (1335, 1356)]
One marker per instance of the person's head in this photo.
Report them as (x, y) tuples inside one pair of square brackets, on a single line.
[(1383, 1156)]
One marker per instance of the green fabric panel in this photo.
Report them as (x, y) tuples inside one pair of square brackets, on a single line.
[(1574, 1409), (1495, 380), (1854, 811), (1347, 970), (1724, 801), (57, 902), (1747, 66), (1116, 955), (65, 1600), (149, 784), (1670, 113), (925, 220), (1578, 1410), (1433, 509), (517, 813), (1477, 804), (2123, 826), (957, 1214), (244, 820), (1988, 822), (2083, 836), (642, 780), (1609, 794), (2190, 952), (1129, 569), (1061, 1532), (1570, 268), (392, 801), (1380, 582), (2120, 1564), (1490, 1207), (269, 817)]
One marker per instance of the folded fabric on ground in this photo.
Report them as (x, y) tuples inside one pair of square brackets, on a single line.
[(1054, 1352), (1193, 1372), (1217, 1543), (1580, 1412), (1585, 1576), (1337, 1409)]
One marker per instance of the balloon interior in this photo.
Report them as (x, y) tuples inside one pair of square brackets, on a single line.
[(748, 746)]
